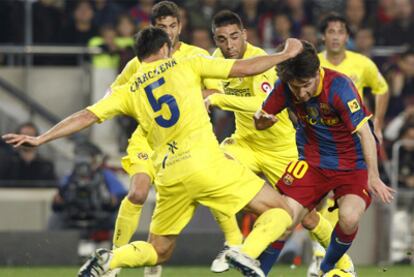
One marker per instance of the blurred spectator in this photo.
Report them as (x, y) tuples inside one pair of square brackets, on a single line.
[(248, 10), (355, 14), (399, 31), (78, 31), (47, 20), (201, 37), (252, 36), (401, 80), (406, 166), (5, 20), (320, 8), (310, 33), (385, 11), (282, 28), (107, 42), (393, 130), (141, 13), (80, 28), (126, 30), (364, 41), (25, 167), (89, 197), (186, 25), (298, 16), (202, 11), (106, 12)]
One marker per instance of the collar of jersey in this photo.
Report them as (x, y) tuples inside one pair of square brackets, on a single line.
[(320, 85)]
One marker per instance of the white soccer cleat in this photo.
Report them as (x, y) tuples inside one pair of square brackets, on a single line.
[(153, 271), (220, 264), (112, 272), (313, 269), (243, 263), (97, 264)]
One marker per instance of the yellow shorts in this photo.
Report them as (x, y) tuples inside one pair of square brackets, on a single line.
[(224, 185), (138, 158), (272, 163)]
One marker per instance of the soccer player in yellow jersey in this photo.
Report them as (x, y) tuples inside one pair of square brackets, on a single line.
[(267, 152), (365, 74), (164, 96), (137, 162)]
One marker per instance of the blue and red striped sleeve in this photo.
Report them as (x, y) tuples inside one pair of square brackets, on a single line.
[(276, 101), (345, 99)]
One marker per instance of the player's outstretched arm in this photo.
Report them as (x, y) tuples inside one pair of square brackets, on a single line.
[(375, 184), (381, 104), (263, 120), (260, 64), (70, 125)]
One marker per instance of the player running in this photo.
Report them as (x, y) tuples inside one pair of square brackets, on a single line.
[(337, 149), (264, 152), (164, 96)]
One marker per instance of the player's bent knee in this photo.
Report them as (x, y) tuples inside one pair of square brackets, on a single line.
[(349, 222), (310, 221)]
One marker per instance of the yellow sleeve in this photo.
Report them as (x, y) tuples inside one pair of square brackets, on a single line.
[(115, 102), (210, 67), (213, 84), (236, 103), (129, 70), (373, 78)]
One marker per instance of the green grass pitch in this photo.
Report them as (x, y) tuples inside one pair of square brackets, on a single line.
[(171, 271)]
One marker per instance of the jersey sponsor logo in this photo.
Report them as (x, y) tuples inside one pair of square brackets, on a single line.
[(288, 179), (142, 156), (353, 105), (172, 146), (266, 87)]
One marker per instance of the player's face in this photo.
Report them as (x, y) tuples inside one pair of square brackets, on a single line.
[(304, 89), (335, 37), (231, 40), (171, 25)]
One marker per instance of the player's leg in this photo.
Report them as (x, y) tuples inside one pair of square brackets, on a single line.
[(130, 209), (273, 164), (234, 149), (352, 198)]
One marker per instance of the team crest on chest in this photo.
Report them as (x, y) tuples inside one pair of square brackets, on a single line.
[(325, 109), (312, 111), (288, 179)]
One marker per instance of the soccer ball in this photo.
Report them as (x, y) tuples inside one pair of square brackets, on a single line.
[(338, 273)]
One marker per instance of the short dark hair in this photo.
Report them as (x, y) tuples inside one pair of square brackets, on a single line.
[(303, 66), (224, 18), (163, 9), (333, 17), (149, 41)]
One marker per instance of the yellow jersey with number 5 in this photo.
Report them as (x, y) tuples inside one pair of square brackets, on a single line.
[(164, 96)]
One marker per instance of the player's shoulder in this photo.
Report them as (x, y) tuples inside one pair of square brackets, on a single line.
[(358, 58), (189, 49), (252, 51), (337, 82)]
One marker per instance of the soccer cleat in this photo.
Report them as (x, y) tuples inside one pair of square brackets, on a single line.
[(97, 264), (112, 272), (153, 271), (220, 264), (345, 264), (336, 273), (243, 263), (313, 269)]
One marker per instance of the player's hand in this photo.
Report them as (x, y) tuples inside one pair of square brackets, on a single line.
[(263, 120), (207, 104), (21, 140), (379, 189), (293, 47)]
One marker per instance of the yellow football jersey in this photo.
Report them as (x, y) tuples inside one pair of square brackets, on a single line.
[(360, 69), (132, 66), (245, 96), (164, 96)]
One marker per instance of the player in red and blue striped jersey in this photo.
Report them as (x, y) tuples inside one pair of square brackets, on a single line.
[(337, 149)]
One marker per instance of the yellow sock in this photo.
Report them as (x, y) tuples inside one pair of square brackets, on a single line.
[(268, 227), (230, 228), (322, 233), (137, 253), (126, 222)]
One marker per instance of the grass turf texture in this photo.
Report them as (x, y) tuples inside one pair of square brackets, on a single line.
[(170, 271)]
